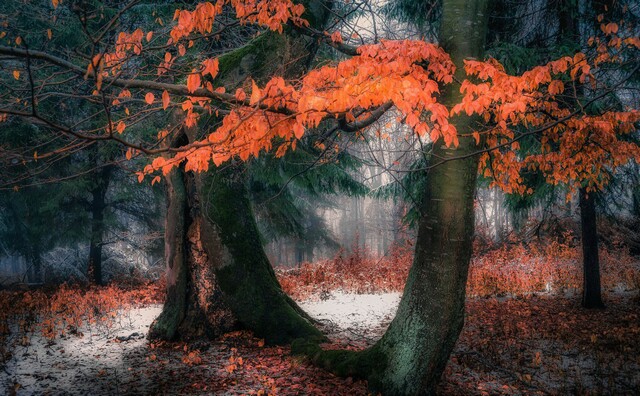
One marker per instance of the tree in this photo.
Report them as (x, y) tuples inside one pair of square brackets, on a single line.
[(209, 209), (224, 277), (410, 357), (568, 39), (75, 186)]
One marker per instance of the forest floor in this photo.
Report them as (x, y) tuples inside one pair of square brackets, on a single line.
[(525, 332), (536, 345)]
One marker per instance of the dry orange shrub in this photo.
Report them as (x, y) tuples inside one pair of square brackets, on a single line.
[(356, 272), (514, 269), (67, 308)]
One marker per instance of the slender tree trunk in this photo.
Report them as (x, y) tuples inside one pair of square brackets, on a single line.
[(591, 293), (591, 290), (300, 249), (98, 206), (411, 356), (34, 273), (218, 274)]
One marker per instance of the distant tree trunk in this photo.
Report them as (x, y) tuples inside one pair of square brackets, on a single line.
[(411, 356), (497, 222), (98, 206), (218, 274), (300, 249), (308, 252), (591, 290), (34, 272), (591, 293)]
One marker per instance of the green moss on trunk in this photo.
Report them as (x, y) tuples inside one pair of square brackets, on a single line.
[(243, 270), (217, 236), (410, 358)]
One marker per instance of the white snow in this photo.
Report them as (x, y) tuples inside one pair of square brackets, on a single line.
[(366, 315), (41, 366), (96, 362)]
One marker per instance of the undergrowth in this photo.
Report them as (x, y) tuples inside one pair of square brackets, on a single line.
[(515, 269), (65, 309)]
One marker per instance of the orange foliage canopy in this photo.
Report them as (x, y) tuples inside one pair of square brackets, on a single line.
[(381, 73), (574, 146)]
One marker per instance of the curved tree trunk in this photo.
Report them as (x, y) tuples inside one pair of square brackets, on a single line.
[(411, 356), (219, 276)]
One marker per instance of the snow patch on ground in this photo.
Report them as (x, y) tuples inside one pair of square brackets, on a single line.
[(365, 316), (105, 360), (71, 362)]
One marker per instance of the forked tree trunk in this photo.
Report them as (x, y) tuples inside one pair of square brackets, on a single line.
[(591, 293), (219, 276), (411, 356)]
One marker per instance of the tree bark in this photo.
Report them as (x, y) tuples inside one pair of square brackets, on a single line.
[(430, 317), (34, 272), (98, 206), (194, 306), (591, 293), (591, 290), (411, 356), (218, 274)]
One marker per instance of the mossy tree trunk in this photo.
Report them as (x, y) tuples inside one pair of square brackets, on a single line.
[(411, 356), (194, 306), (218, 275), (430, 317)]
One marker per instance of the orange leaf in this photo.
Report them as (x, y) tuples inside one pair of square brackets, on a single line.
[(16, 74), (336, 37), (121, 126), (210, 67), (193, 82), (298, 130), (476, 137), (255, 93), (165, 99), (240, 95), (555, 87), (149, 98)]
